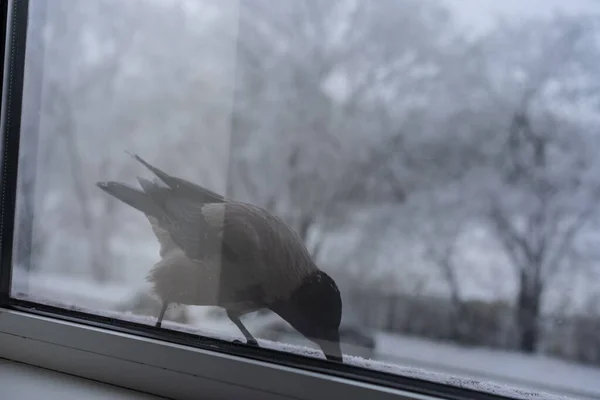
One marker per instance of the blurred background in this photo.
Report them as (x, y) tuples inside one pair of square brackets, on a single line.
[(439, 159)]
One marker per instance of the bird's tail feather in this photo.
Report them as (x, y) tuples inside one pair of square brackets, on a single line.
[(131, 196), (166, 178), (208, 196)]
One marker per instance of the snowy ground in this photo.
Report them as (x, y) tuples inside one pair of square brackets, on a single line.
[(515, 369), (512, 374)]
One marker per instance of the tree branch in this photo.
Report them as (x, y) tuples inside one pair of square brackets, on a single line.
[(566, 241), (515, 246)]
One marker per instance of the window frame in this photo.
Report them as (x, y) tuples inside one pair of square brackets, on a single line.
[(144, 358), (167, 369)]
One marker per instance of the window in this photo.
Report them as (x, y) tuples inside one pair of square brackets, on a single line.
[(424, 172)]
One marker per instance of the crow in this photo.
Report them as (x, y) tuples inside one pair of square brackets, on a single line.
[(219, 252)]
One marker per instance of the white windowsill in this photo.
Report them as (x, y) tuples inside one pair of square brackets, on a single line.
[(24, 382), (167, 369)]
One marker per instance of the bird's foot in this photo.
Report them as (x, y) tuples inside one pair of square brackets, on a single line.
[(249, 342)]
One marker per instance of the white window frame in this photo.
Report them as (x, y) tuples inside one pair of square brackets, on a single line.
[(173, 370), (168, 369)]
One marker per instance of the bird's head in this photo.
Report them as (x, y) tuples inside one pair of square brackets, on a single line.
[(315, 310)]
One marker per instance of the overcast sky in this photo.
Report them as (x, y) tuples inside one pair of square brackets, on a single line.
[(480, 15)]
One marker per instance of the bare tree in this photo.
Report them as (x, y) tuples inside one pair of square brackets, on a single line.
[(530, 181), (547, 194), (539, 237), (109, 84), (71, 85), (317, 81)]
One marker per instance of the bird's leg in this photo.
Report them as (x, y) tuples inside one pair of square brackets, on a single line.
[(236, 320), (165, 304)]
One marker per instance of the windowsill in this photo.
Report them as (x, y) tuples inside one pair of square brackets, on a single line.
[(23, 382), (168, 369), (177, 371)]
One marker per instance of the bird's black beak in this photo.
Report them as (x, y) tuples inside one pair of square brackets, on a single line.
[(331, 348)]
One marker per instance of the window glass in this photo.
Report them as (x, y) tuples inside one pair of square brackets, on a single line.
[(411, 183)]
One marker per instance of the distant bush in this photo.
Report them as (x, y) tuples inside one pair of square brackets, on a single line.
[(488, 324), (574, 338)]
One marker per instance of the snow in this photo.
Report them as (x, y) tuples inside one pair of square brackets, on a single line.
[(70, 290), (514, 375), (522, 370)]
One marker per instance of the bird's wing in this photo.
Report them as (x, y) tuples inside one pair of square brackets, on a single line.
[(238, 227), (144, 202), (163, 236), (188, 228), (271, 256), (179, 221), (245, 271)]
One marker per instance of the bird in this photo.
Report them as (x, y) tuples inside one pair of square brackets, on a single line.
[(216, 251)]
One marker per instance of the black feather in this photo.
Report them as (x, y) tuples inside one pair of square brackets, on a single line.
[(133, 197), (182, 186)]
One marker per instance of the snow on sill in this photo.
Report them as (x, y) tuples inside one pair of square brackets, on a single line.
[(215, 332)]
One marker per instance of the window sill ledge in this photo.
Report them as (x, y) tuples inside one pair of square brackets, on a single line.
[(167, 369), (24, 382)]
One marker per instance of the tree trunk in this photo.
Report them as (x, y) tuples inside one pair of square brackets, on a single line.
[(528, 313), (391, 323)]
